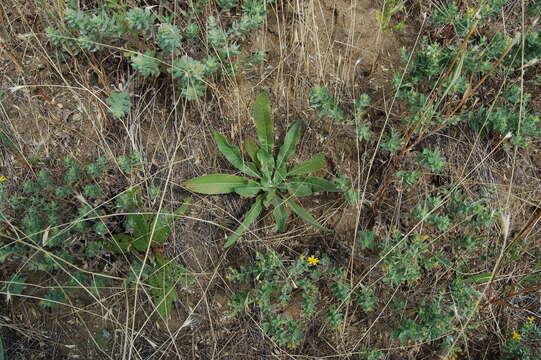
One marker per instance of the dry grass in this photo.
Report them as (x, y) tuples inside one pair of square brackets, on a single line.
[(55, 109)]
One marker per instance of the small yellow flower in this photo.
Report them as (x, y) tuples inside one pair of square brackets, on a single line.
[(471, 11), (293, 346), (531, 319), (516, 335), (2, 179), (312, 260)]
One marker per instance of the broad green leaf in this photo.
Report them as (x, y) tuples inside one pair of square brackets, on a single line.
[(176, 271), (315, 163), (141, 243), (163, 292), (232, 154), (305, 215), (185, 205), (251, 148), (479, 278), (299, 188), (215, 184), (320, 185), (280, 175), (267, 163), (290, 143), (263, 122), (269, 198), (249, 218), (164, 224), (119, 243), (139, 224), (280, 215), (248, 190)]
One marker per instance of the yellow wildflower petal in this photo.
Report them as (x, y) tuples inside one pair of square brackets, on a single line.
[(2, 179), (312, 260), (531, 319), (516, 335)]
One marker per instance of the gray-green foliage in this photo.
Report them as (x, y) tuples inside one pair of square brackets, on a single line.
[(47, 216), (156, 40), (509, 113), (321, 100), (440, 316), (119, 104), (277, 281), (269, 179)]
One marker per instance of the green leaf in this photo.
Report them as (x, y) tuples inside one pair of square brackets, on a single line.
[(166, 274), (119, 243), (280, 175), (185, 205), (263, 122), (174, 270), (215, 184), (320, 185), (315, 163), (163, 292), (248, 190), (251, 148), (290, 143), (305, 215), (280, 215), (269, 198), (267, 163), (298, 187), (249, 218), (139, 223), (119, 104), (366, 239), (232, 154)]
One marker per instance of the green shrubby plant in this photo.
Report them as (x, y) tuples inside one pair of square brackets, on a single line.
[(481, 56), (153, 40), (371, 354), (384, 16), (46, 215), (321, 100), (275, 284), (270, 181), (144, 233), (524, 343), (443, 317)]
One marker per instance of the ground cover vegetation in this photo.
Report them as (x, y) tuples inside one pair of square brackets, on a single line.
[(415, 179)]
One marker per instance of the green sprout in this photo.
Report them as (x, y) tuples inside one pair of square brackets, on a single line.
[(270, 181)]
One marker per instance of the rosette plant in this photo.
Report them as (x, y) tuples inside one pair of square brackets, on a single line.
[(268, 179)]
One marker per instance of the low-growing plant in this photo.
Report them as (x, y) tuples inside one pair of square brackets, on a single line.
[(39, 223), (441, 317), (276, 284), (385, 15), (119, 104), (147, 232), (524, 343), (271, 182), (153, 42)]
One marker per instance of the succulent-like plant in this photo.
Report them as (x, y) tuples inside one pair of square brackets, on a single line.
[(270, 181)]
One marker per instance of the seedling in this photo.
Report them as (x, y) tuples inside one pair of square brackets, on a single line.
[(270, 181), (148, 231)]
